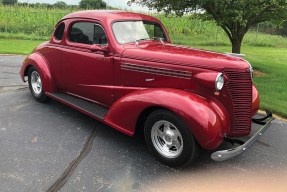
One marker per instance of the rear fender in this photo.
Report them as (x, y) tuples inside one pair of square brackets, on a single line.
[(39, 62), (198, 114)]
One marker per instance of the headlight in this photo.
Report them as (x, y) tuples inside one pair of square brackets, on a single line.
[(219, 82)]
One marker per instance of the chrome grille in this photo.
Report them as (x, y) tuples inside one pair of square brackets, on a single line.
[(240, 89)]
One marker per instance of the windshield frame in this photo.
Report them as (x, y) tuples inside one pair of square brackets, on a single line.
[(166, 37)]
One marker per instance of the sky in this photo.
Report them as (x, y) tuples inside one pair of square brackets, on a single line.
[(113, 3)]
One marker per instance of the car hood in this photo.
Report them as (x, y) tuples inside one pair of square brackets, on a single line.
[(181, 55)]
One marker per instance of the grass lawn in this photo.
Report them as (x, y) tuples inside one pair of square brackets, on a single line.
[(22, 47), (269, 60)]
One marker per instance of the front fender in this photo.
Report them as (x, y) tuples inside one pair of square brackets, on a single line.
[(198, 114), (255, 101), (39, 62)]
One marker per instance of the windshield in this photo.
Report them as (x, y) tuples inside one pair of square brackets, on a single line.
[(132, 31)]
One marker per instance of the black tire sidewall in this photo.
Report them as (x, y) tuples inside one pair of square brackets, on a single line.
[(189, 152), (39, 97)]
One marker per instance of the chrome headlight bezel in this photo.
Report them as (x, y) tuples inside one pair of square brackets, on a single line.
[(250, 70), (219, 82)]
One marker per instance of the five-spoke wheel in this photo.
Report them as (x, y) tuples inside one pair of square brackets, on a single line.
[(35, 85), (169, 139)]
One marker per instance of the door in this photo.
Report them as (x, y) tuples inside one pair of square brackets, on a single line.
[(88, 74)]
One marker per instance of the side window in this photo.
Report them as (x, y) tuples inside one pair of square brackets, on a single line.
[(82, 33), (100, 37), (87, 33), (59, 31)]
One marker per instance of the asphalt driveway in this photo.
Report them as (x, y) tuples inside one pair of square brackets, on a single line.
[(51, 147)]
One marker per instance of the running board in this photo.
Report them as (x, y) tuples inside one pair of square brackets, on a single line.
[(90, 108)]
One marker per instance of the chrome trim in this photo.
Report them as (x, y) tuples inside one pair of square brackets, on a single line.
[(219, 74), (230, 153), (167, 139), (235, 55), (156, 70), (250, 70), (149, 80), (36, 83)]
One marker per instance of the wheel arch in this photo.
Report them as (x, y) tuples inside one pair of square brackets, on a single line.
[(128, 114), (27, 70), (143, 117), (38, 61)]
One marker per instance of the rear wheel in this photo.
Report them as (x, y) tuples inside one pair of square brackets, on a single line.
[(169, 139), (36, 86)]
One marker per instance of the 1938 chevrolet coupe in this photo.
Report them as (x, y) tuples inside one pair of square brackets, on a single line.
[(121, 69)]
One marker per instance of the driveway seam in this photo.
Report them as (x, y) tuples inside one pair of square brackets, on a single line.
[(61, 181)]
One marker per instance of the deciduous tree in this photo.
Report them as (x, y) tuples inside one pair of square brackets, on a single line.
[(234, 16), (9, 2), (92, 4), (60, 4)]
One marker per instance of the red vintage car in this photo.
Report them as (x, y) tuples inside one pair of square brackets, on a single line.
[(121, 69)]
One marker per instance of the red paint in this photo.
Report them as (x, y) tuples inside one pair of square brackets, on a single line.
[(255, 100), (129, 78), (41, 64), (197, 112)]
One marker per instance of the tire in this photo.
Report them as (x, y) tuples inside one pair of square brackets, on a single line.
[(169, 139), (36, 86)]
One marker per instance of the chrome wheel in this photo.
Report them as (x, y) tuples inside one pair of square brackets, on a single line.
[(166, 139), (36, 83)]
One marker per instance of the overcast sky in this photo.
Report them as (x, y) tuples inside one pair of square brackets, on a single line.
[(113, 3)]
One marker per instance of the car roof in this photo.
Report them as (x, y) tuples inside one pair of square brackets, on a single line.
[(109, 15)]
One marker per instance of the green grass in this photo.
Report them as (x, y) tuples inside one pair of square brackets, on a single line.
[(250, 39), (32, 23), (23, 28), (38, 24), (22, 47), (273, 62), (206, 33)]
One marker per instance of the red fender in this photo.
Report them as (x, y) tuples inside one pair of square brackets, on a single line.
[(42, 67), (202, 119), (255, 101)]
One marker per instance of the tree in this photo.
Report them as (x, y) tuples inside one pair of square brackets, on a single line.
[(235, 17), (60, 4), (92, 4), (9, 2)]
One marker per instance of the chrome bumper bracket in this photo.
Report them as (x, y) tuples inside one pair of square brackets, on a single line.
[(230, 153)]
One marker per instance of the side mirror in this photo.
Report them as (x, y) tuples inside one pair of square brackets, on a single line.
[(95, 48)]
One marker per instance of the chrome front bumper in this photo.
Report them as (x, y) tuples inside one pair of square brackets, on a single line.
[(230, 153)]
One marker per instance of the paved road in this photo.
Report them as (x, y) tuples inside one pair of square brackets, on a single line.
[(51, 146)]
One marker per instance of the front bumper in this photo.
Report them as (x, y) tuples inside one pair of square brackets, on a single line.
[(230, 153)]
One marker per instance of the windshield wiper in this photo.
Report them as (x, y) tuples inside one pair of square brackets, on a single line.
[(138, 40), (149, 38)]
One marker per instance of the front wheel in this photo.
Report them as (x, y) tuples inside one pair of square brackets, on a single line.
[(36, 86), (169, 139)]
